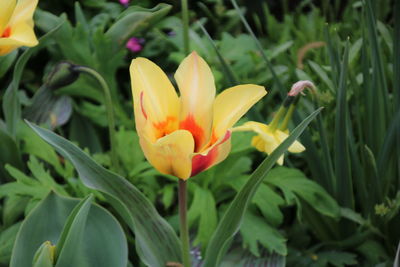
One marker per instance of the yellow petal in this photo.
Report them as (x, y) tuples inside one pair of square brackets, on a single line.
[(296, 147), (156, 102), (232, 104), (7, 8), (24, 12), (171, 154), (196, 85), (257, 127), (212, 155), (22, 34)]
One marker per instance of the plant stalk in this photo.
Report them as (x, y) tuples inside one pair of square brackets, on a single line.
[(185, 23), (184, 229), (109, 110)]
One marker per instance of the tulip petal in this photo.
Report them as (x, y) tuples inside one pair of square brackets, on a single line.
[(260, 128), (213, 155), (7, 8), (156, 102), (232, 104), (296, 147), (171, 154), (23, 12), (197, 89)]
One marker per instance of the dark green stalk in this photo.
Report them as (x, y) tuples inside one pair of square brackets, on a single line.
[(184, 229), (109, 109)]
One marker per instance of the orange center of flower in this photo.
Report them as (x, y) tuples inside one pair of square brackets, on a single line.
[(165, 127), (6, 32), (197, 132)]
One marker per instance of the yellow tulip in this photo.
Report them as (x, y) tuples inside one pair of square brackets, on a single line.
[(16, 24), (184, 135), (268, 139)]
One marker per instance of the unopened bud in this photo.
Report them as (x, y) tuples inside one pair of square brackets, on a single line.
[(44, 256), (299, 87), (63, 74)]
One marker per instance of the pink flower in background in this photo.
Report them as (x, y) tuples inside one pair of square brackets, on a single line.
[(135, 44), (124, 2)]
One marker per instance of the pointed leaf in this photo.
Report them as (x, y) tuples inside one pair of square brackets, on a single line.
[(156, 241)]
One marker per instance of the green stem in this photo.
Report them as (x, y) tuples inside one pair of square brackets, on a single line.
[(110, 112), (286, 119), (185, 22), (184, 229), (277, 118)]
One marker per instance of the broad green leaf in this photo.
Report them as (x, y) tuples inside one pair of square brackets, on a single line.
[(231, 220), (70, 249), (255, 231), (294, 182), (103, 242), (156, 242)]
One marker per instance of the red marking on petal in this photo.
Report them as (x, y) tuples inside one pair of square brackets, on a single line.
[(201, 163), (141, 105), (6, 32), (198, 133)]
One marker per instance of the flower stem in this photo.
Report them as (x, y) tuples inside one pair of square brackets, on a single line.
[(110, 112), (184, 229), (277, 118), (185, 22)]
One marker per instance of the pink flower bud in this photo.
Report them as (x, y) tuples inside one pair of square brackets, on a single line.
[(299, 86)]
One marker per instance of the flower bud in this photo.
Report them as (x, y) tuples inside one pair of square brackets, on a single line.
[(63, 74), (44, 256)]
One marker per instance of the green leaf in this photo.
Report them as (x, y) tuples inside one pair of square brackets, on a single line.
[(294, 183), (6, 62), (70, 245), (10, 154), (103, 242), (268, 201), (7, 239), (255, 230), (238, 257), (156, 242), (203, 210), (344, 186), (135, 19), (232, 218)]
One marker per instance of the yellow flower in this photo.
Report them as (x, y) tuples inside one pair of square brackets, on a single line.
[(16, 24), (268, 139), (185, 135)]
